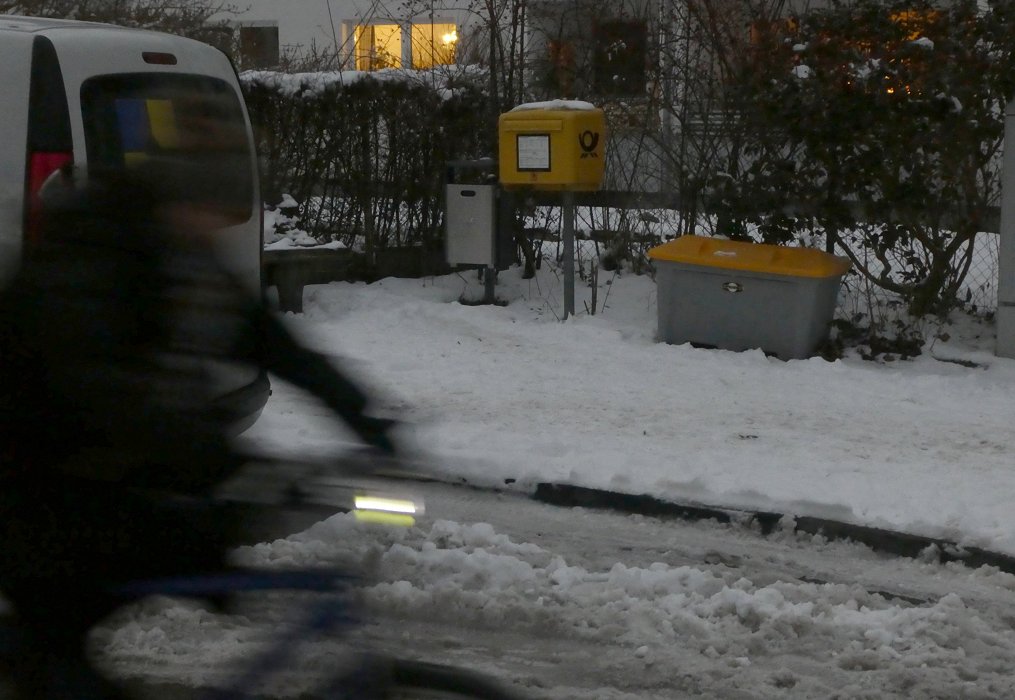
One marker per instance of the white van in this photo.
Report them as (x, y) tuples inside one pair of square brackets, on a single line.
[(91, 94)]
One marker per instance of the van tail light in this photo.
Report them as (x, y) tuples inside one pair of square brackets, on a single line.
[(49, 145), (40, 167)]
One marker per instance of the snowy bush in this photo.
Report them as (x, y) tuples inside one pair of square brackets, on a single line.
[(888, 143), (366, 153)]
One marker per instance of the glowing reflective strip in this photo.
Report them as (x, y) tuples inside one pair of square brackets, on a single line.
[(389, 505), (384, 518)]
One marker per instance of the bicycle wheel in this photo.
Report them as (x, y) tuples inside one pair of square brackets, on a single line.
[(414, 680)]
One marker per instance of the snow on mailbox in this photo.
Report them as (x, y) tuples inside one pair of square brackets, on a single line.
[(556, 145)]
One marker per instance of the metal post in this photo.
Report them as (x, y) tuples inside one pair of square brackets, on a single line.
[(1006, 256), (567, 211), (490, 285)]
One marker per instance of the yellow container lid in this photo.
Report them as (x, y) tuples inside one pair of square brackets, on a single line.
[(751, 257)]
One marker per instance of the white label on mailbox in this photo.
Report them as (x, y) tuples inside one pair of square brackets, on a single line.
[(533, 151)]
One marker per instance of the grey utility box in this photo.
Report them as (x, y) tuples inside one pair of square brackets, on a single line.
[(471, 224), (737, 296)]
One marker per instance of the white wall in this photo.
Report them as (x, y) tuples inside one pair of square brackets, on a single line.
[(1006, 257)]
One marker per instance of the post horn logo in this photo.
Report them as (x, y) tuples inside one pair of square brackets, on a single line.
[(589, 141)]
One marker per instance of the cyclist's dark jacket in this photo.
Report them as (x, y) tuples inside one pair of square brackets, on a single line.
[(102, 390), (107, 429)]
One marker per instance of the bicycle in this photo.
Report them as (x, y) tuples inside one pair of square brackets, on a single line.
[(372, 676)]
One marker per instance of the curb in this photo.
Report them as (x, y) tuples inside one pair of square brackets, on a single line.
[(878, 539)]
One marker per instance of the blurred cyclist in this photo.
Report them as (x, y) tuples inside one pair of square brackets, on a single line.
[(107, 430)]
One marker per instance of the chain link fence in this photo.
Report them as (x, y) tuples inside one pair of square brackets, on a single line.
[(617, 234), (980, 288)]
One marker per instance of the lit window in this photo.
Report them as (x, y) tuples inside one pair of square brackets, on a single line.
[(378, 46), (433, 44), (915, 22)]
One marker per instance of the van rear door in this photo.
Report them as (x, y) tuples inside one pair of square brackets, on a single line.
[(144, 95)]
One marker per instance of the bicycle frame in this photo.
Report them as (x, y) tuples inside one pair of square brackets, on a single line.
[(373, 677), (321, 617)]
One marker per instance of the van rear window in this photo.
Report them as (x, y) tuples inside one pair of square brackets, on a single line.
[(194, 122)]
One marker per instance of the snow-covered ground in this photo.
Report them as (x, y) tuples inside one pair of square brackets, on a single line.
[(632, 607), (508, 393)]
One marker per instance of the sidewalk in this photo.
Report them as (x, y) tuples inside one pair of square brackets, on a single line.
[(510, 398)]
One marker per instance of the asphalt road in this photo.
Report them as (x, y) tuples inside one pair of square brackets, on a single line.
[(952, 628)]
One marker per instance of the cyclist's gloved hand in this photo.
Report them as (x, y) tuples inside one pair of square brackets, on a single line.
[(376, 432)]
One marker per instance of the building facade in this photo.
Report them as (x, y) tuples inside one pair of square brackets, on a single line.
[(348, 34)]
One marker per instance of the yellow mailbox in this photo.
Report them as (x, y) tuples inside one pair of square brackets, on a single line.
[(559, 145)]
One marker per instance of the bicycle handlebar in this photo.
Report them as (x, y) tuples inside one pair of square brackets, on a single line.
[(343, 483)]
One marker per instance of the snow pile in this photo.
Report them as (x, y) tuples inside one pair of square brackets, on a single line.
[(802, 71), (488, 579), (660, 619), (282, 229), (555, 104)]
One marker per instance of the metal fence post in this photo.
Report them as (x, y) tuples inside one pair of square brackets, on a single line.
[(1006, 255), (567, 211)]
